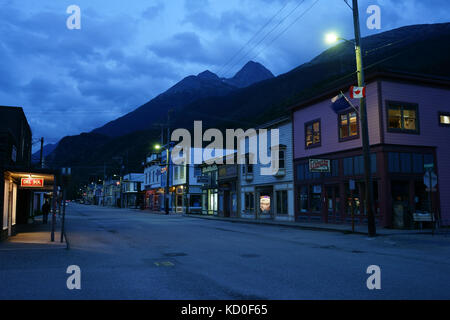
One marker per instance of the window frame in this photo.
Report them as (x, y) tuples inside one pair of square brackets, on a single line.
[(402, 105), (347, 113), (249, 201), (279, 202), (318, 144), (443, 113)]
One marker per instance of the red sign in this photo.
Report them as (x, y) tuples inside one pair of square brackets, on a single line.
[(319, 165), (32, 183)]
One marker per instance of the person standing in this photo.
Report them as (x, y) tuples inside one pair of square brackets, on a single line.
[(45, 211)]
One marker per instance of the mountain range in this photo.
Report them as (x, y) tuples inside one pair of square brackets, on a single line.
[(188, 90), (253, 96)]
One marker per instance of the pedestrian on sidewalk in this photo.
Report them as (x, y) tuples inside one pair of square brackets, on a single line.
[(45, 211)]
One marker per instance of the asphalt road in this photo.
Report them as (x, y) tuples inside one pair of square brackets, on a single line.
[(128, 254)]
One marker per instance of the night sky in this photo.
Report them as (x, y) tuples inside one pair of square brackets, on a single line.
[(127, 52)]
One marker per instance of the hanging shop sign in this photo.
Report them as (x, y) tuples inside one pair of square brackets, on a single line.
[(31, 183), (319, 165)]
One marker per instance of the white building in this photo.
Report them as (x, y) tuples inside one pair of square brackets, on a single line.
[(270, 196), (186, 190), (131, 190), (154, 191)]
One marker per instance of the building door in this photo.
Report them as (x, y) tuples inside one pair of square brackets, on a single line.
[(400, 203), (226, 203), (332, 203)]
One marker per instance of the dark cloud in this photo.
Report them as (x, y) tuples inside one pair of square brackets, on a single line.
[(153, 11), (69, 81)]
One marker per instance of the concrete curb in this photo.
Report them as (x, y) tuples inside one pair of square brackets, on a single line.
[(296, 225)]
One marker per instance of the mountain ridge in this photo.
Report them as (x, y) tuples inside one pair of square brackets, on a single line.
[(189, 89)]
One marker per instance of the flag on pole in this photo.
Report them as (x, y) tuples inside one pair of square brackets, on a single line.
[(357, 92), (340, 103)]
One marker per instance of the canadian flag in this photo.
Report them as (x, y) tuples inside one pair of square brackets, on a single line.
[(357, 92)]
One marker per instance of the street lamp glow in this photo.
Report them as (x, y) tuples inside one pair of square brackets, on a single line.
[(157, 147), (331, 38)]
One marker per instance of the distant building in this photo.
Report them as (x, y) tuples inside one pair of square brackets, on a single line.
[(132, 190), (154, 193), (409, 129), (111, 193)]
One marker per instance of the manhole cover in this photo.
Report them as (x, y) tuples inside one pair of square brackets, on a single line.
[(164, 264), (327, 247), (175, 254), (250, 255)]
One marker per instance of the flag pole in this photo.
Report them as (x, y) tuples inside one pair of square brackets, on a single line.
[(350, 103)]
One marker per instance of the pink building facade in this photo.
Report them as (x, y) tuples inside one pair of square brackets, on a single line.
[(409, 130)]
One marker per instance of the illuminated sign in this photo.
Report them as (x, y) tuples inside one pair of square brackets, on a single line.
[(32, 183), (319, 165)]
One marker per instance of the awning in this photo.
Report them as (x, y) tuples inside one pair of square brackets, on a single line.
[(33, 181)]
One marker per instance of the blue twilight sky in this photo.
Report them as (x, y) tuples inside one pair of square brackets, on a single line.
[(127, 52)]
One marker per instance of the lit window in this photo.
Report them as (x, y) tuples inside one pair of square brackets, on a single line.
[(312, 134), (403, 118), (348, 125), (444, 119)]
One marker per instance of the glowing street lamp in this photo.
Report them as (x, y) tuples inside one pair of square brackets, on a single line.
[(157, 147), (331, 38)]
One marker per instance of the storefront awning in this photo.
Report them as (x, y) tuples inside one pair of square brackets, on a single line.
[(34, 181)]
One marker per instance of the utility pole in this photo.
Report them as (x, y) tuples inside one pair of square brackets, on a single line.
[(104, 183), (41, 161), (364, 125), (188, 196), (166, 193)]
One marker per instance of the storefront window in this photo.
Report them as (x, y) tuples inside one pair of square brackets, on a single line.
[(249, 202), (196, 201), (316, 198), (213, 201), (282, 202), (265, 202)]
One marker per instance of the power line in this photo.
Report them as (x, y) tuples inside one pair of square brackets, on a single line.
[(253, 37), (265, 36), (288, 27)]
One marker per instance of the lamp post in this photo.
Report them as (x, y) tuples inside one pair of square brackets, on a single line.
[(364, 123)]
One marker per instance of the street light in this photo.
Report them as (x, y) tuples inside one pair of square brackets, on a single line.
[(330, 38), (157, 147)]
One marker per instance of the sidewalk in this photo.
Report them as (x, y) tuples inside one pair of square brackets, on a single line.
[(35, 236), (344, 228)]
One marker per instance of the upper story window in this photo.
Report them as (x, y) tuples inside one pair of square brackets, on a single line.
[(182, 172), (282, 159), (348, 126), (312, 134), (197, 171), (247, 168), (403, 117), (444, 119)]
